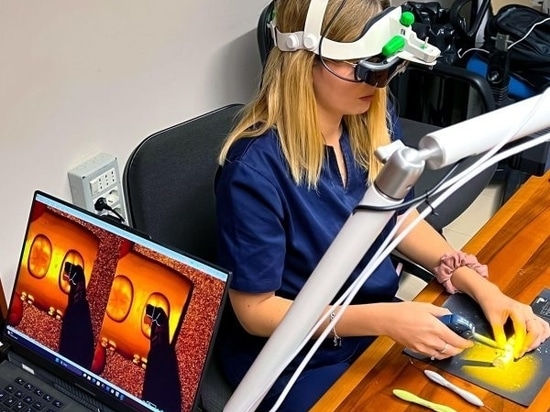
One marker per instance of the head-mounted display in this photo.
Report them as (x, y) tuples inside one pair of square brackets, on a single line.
[(388, 37)]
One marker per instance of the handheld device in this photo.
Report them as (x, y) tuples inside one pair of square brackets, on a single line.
[(459, 325), (465, 328)]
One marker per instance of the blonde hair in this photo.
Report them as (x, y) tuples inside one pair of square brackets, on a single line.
[(286, 100)]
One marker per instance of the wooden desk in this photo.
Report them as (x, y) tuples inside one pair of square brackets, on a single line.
[(515, 244)]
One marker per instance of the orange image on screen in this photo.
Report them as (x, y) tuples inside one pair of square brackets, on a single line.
[(48, 247), (150, 318), (141, 322)]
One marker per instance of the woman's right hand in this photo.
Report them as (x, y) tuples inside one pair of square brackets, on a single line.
[(416, 326)]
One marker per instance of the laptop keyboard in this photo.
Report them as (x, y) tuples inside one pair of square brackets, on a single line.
[(23, 396)]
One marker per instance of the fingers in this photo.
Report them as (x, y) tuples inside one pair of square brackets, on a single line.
[(436, 347), (532, 338), (538, 330), (442, 353), (438, 311), (500, 336), (520, 334), (454, 339), (445, 351), (446, 344), (535, 332), (530, 331)]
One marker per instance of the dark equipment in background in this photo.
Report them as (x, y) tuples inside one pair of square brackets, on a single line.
[(471, 84)]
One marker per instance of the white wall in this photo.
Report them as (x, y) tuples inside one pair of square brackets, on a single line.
[(82, 77)]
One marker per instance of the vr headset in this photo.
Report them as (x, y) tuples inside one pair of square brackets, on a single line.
[(386, 47)]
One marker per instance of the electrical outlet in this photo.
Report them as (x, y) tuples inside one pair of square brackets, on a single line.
[(104, 181), (98, 178)]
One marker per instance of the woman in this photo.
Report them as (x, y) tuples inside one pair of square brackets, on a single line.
[(291, 173)]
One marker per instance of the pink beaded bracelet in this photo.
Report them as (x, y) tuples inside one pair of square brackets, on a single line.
[(452, 261)]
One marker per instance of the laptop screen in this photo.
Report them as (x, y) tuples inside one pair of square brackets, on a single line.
[(122, 316)]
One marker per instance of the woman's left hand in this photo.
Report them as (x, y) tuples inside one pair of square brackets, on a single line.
[(529, 329)]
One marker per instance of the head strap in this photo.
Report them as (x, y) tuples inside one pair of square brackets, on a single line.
[(389, 33)]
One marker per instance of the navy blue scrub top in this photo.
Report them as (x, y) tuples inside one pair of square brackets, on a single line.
[(272, 233)]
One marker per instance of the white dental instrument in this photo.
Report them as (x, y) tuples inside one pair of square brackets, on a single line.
[(468, 396)]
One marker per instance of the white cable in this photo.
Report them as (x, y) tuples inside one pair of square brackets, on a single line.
[(340, 305), (460, 179), (385, 249), (461, 54), (498, 146), (529, 32), (383, 252)]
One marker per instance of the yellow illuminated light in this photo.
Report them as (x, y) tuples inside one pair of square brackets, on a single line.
[(506, 357), (495, 366)]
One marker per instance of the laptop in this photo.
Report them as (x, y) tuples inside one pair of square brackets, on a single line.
[(102, 318)]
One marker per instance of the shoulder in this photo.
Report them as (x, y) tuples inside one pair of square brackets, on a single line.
[(249, 148), (261, 153), (254, 169)]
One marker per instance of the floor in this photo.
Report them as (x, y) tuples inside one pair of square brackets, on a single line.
[(459, 232)]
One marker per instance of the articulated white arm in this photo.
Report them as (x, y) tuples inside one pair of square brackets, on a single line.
[(439, 149)]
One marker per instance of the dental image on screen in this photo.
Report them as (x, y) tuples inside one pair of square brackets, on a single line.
[(134, 321)]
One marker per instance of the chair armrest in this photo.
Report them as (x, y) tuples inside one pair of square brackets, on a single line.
[(473, 79), (410, 267)]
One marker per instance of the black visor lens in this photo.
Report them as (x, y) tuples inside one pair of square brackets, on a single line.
[(379, 74)]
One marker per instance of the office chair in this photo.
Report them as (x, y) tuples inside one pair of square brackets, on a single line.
[(442, 96), (169, 186)]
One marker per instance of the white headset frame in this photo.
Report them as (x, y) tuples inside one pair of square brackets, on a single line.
[(370, 44)]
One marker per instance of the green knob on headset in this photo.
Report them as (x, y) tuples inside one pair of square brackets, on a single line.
[(395, 45), (407, 18)]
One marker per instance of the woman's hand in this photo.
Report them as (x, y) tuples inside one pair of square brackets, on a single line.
[(530, 330), (416, 325)]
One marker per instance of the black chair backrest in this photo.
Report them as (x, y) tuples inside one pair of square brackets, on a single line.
[(169, 186), (169, 182), (441, 95), (263, 34)]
